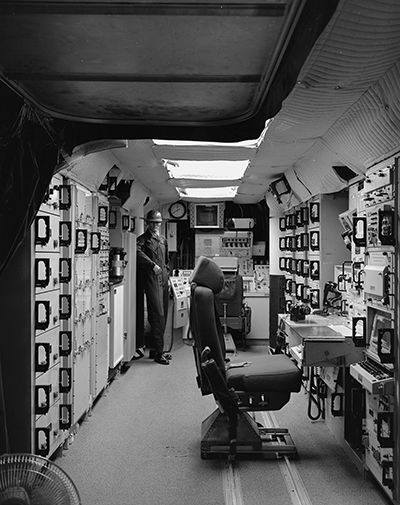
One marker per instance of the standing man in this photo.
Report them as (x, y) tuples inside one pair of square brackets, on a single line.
[(152, 275)]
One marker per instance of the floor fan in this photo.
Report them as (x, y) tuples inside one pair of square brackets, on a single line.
[(27, 479)]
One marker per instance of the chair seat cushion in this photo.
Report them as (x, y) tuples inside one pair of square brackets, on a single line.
[(267, 373)]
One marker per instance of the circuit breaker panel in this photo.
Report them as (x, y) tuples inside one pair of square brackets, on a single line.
[(80, 247), (56, 307), (309, 249), (47, 312), (101, 249), (70, 310)]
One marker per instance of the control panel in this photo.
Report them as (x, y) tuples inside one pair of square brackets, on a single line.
[(261, 278), (351, 375), (370, 293), (238, 244), (181, 290)]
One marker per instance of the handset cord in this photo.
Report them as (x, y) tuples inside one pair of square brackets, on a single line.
[(172, 326), (314, 398)]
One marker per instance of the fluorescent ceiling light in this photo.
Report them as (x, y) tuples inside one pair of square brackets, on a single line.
[(208, 193), (185, 143), (243, 143), (209, 170)]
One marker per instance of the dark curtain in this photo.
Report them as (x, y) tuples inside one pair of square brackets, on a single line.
[(28, 155)]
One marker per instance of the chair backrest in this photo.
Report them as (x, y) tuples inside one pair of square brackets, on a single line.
[(231, 296), (207, 280)]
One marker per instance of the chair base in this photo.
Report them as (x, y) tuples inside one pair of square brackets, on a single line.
[(240, 325), (251, 439)]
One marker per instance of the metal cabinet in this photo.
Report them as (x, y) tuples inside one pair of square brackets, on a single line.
[(116, 325), (259, 304)]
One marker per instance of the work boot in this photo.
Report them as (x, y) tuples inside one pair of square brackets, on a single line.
[(152, 354), (138, 354), (161, 359)]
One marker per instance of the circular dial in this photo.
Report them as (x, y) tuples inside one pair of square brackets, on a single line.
[(177, 210)]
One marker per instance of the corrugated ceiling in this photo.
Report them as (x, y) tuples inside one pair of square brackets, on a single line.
[(345, 108)]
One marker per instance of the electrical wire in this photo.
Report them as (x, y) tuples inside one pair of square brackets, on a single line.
[(4, 438), (315, 398), (172, 327), (301, 182)]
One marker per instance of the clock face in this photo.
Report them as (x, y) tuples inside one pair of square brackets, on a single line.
[(177, 210)]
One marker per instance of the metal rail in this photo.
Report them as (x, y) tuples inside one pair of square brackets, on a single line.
[(294, 483)]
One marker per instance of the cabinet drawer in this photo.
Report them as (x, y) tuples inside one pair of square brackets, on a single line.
[(48, 435), (47, 351)]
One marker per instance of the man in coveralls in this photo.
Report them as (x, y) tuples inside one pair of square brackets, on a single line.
[(152, 275)]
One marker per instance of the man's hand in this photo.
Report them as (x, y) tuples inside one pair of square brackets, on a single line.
[(157, 270)]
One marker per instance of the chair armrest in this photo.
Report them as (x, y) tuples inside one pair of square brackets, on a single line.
[(225, 397)]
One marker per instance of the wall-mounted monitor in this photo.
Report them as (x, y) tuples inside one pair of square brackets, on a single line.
[(207, 215), (279, 188)]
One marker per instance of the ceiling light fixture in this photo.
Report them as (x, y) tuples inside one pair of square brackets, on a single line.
[(206, 170), (244, 143), (222, 193)]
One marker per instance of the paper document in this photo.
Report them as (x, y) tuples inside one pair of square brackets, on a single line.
[(342, 329), (239, 364)]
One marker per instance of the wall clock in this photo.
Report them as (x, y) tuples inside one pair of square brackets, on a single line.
[(177, 210)]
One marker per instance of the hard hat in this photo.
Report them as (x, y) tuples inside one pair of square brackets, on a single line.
[(154, 216)]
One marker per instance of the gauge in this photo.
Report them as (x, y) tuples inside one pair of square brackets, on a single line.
[(177, 210)]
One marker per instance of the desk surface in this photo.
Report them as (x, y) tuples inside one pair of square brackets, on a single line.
[(256, 294), (316, 331), (320, 341), (314, 320), (315, 326)]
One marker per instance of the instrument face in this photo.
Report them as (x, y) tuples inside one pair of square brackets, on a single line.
[(177, 210)]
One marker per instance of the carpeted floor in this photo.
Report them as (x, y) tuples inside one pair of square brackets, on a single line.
[(141, 446)]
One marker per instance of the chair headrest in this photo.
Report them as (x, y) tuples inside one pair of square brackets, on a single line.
[(208, 274)]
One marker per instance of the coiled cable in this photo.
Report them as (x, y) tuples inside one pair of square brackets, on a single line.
[(315, 398)]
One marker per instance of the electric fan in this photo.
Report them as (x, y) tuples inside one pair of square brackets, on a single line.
[(27, 479)]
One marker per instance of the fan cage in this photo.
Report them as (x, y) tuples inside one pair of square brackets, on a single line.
[(44, 482)]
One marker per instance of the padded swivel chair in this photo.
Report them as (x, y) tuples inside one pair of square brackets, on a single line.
[(264, 384)]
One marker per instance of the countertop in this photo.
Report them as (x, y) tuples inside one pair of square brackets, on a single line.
[(255, 294)]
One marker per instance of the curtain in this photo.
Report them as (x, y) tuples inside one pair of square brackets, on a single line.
[(28, 155)]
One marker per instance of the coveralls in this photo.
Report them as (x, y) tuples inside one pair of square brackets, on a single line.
[(152, 250)]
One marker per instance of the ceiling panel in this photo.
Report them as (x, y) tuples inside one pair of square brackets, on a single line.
[(144, 102), (132, 61), (156, 64), (138, 46)]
